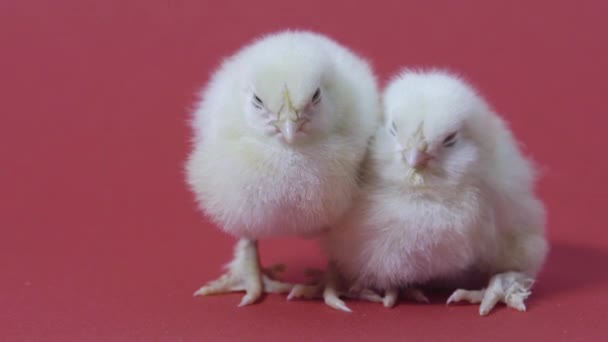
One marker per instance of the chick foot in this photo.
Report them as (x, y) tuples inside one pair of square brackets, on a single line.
[(511, 288), (332, 297), (324, 286), (312, 289), (244, 274)]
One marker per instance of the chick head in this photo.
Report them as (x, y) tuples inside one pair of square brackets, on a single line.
[(289, 91), (432, 127)]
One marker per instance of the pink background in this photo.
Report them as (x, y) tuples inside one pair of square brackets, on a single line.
[(101, 240)]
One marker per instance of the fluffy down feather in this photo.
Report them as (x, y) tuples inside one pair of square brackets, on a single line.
[(448, 194), (280, 133)]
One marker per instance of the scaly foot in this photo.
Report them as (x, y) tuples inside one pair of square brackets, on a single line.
[(325, 286), (244, 274), (511, 288)]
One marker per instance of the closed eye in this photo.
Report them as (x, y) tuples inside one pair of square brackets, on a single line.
[(316, 97), (450, 140), (257, 102), (393, 129)]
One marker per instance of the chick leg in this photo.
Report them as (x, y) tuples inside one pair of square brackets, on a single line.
[(245, 274), (511, 288)]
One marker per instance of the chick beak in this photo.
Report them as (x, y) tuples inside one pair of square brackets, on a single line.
[(288, 129), (418, 158), (290, 124)]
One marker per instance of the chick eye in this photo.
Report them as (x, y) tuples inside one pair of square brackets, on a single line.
[(257, 102), (316, 97), (393, 129), (450, 140)]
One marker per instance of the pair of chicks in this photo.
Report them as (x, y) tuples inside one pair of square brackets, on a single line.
[(422, 185)]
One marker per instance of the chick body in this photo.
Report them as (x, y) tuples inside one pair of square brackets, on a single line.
[(467, 206), (280, 133)]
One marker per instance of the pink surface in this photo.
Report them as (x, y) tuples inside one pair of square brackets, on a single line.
[(101, 241)]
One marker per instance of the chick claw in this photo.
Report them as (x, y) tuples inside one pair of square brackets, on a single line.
[(325, 285), (306, 292), (231, 282), (392, 295), (511, 288), (416, 295), (316, 291), (244, 274), (332, 297), (323, 290), (388, 300), (364, 294), (312, 289)]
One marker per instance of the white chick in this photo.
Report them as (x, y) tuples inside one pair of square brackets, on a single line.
[(448, 194), (279, 136)]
